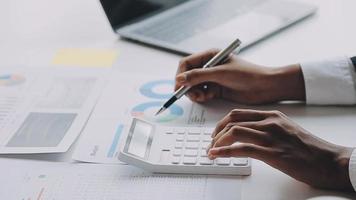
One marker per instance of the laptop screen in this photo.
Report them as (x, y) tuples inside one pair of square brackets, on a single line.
[(123, 12)]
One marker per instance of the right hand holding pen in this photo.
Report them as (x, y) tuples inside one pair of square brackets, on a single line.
[(238, 80)]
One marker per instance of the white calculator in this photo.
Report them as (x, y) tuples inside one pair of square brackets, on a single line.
[(179, 150)]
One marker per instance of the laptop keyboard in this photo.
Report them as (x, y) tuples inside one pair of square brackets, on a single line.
[(196, 19)]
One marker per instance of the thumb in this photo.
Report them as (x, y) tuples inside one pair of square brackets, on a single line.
[(197, 76)]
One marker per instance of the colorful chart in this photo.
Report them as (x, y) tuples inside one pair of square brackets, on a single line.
[(147, 89), (157, 90), (11, 80), (146, 110)]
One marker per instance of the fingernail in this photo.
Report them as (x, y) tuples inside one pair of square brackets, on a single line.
[(182, 78)]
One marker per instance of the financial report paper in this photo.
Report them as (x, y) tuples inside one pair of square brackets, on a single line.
[(134, 95), (62, 181), (44, 110)]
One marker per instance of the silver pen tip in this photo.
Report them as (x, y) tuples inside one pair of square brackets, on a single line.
[(160, 111)]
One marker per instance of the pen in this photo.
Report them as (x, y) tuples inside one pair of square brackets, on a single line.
[(222, 55)]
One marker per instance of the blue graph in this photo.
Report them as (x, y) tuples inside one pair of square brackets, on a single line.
[(156, 100), (175, 111), (147, 89)]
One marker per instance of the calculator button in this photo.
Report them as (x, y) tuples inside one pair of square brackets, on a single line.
[(191, 152), (175, 159), (178, 145), (177, 152), (205, 161), (207, 138), (208, 133), (165, 156), (191, 145), (180, 132), (205, 145), (193, 138), (180, 138), (239, 161), (222, 161), (203, 153), (189, 160), (169, 132), (193, 132)]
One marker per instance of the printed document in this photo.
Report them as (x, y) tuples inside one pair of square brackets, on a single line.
[(47, 181), (44, 110), (134, 95)]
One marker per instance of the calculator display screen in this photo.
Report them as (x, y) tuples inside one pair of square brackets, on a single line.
[(139, 138)]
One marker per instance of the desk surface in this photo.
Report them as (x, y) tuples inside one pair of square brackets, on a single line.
[(32, 31)]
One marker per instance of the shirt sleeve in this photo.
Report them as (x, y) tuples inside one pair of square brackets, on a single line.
[(330, 82)]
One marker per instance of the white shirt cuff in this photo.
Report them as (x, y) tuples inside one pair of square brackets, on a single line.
[(352, 169), (330, 82)]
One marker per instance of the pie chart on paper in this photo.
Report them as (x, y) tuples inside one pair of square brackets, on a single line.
[(11, 80), (147, 110)]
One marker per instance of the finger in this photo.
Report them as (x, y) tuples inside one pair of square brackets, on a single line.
[(242, 150), (239, 115), (241, 134), (210, 91), (222, 132), (195, 93), (197, 76), (199, 95), (190, 78), (251, 125), (203, 94), (193, 61), (256, 125), (196, 60), (209, 95), (270, 125)]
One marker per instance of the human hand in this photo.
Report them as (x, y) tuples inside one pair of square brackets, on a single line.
[(239, 81), (271, 137)]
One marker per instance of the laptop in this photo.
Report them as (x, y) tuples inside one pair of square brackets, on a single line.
[(190, 26)]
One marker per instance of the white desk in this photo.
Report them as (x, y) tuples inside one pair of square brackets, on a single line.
[(31, 31)]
